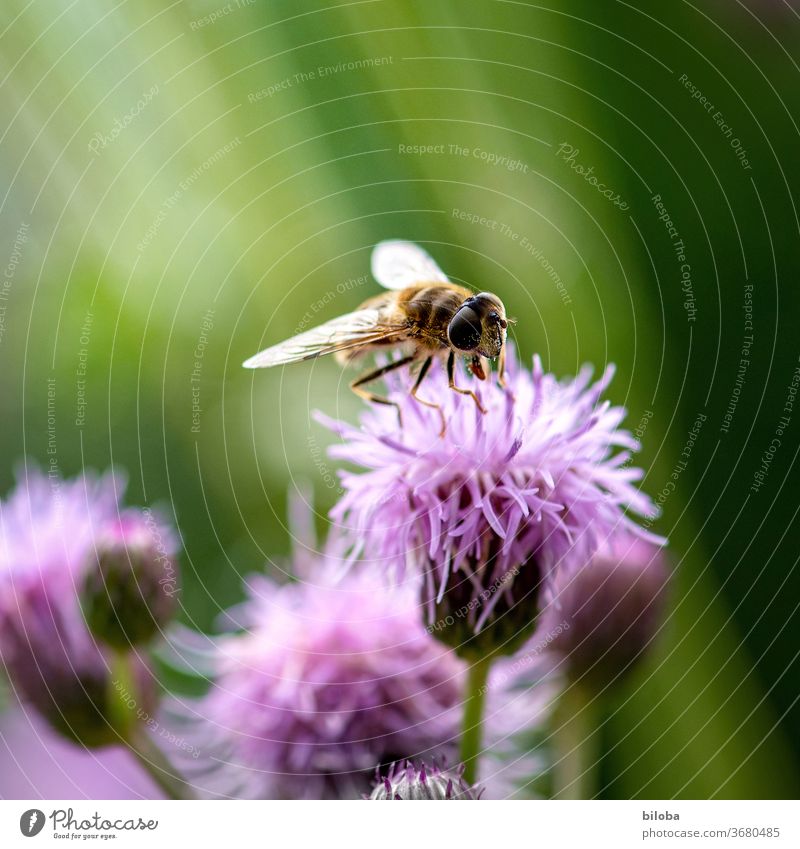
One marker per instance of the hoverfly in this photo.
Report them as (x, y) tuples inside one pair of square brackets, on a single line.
[(423, 313)]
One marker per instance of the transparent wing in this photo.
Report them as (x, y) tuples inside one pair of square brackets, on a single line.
[(397, 264), (352, 330)]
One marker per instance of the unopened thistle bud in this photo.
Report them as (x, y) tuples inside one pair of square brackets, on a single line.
[(55, 665), (604, 615), (420, 782), (130, 586)]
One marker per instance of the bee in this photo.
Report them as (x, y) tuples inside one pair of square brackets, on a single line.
[(422, 313)]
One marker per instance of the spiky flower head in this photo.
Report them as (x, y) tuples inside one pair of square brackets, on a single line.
[(410, 781), (492, 510), (326, 682), (129, 593), (331, 679), (609, 610)]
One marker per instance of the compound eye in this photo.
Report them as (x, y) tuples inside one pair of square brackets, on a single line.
[(464, 331)]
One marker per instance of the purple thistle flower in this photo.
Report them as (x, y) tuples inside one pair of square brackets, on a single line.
[(331, 680), (490, 512), (47, 533), (411, 781), (605, 615)]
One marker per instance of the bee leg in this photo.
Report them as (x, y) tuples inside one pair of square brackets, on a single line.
[(501, 372), (357, 384), (451, 382), (420, 377)]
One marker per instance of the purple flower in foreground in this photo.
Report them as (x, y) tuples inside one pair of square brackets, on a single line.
[(492, 511), (47, 534), (605, 614), (330, 681), (420, 782)]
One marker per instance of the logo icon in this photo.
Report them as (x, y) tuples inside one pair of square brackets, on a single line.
[(31, 822)]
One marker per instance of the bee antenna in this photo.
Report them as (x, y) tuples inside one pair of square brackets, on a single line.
[(511, 320)]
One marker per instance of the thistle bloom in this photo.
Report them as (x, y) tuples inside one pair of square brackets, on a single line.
[(330, 681), (493, 510), (420, 782), (47, 532), (605, 614)]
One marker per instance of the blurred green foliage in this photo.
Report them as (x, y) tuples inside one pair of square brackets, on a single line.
[(181, 214)]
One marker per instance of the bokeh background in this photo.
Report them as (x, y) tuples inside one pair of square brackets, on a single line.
[(186, 182)]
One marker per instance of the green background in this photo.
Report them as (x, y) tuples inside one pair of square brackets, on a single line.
[(289, 193)]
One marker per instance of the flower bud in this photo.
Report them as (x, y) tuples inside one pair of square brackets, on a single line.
[(605, 614), (54, 665), (419, 782), (129, 590)]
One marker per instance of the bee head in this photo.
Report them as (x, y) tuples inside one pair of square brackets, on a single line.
[(479, 326)]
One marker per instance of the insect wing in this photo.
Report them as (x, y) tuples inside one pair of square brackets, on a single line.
[(352, 330), (397, 264)]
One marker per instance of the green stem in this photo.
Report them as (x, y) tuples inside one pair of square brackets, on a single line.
[(157, 766), (473, 718), (123, 693), (124, 708), (574, 744)]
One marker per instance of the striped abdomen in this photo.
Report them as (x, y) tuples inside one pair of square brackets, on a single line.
[(429, 309)]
